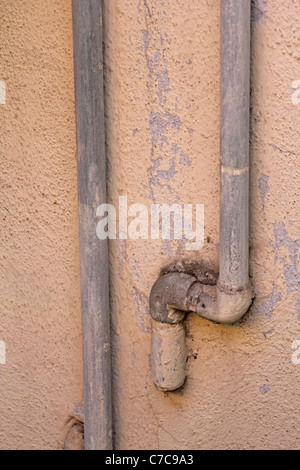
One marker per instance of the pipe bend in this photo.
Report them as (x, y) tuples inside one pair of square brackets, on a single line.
[(232, 304), (174, 294), (169, 297)]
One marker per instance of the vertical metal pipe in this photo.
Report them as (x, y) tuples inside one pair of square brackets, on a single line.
[(91, 169), (234, 142)]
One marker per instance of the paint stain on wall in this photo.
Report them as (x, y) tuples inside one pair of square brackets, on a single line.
[(267, 307), (264, 188), (264, 389), (142, 313), (159, 123), (290, 268)]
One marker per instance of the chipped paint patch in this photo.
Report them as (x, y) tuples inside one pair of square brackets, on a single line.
[(166, 175), (163, 85), (290, 269), (264, 188), (165, 155), (142, 312), (184, 159), (159, 123), (298, 308), (267, 307)]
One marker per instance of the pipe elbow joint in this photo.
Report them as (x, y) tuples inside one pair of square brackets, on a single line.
[(173, 295), (169, 302), (232, 304), (169, 297)]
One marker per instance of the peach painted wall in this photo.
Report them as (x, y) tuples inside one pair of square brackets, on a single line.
[(162, 115), (162, 106), (40, 323)]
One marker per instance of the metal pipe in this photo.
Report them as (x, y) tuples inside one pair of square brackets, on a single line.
[(228, 300), (91, 170), (234, 290), (234, 142)]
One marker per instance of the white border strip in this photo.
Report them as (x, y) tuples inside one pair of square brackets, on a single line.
[(2, 92)]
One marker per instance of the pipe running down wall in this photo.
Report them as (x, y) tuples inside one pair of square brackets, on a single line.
[(91, 170), (175, 294)]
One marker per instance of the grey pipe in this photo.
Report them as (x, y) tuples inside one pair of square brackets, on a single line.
[(234, 290), (234, 143), (91, 170), (229, 299)]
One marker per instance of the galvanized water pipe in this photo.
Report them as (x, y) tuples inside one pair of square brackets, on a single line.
[(91, 170), (175, 294)]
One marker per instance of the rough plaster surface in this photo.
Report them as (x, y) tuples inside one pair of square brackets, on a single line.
[(162, 108), (39, 263)]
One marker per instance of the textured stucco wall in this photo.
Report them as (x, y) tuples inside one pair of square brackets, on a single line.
[(162, 115), (162, 107), (41, 379)]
